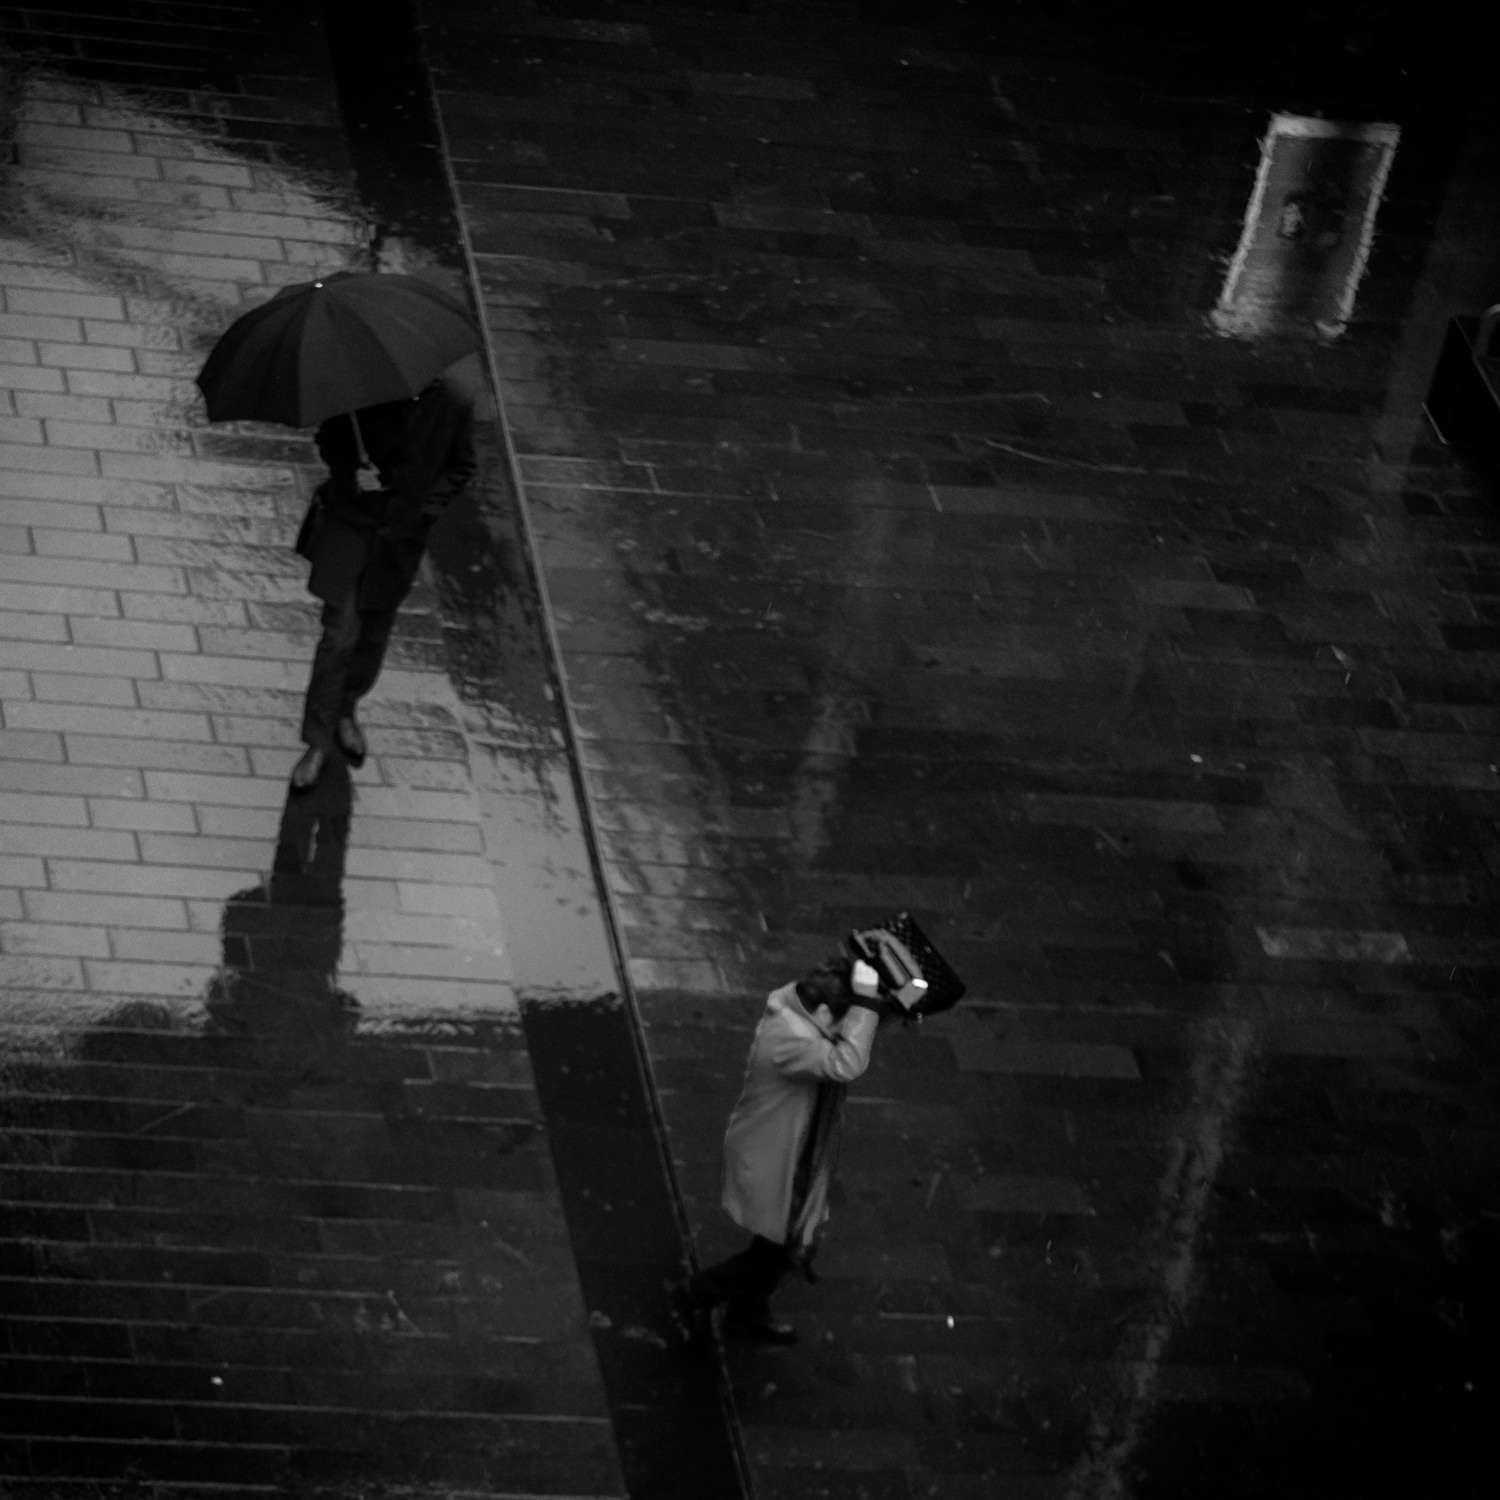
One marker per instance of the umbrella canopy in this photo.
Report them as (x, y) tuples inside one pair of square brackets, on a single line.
[(322, 347)]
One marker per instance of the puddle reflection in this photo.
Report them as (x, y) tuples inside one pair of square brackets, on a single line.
[(282, 938), (1308, 229)]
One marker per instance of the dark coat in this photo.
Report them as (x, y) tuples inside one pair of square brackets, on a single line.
[(372, 543)]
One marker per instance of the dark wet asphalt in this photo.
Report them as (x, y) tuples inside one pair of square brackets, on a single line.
[(912, 535)]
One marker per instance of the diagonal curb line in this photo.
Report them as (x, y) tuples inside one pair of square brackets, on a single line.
[(583, 1030)]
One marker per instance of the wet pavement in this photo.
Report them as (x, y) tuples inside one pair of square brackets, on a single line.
[(956, 458), (290, 1210)]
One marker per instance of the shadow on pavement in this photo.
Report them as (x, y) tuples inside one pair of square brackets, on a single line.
[(282, 939)]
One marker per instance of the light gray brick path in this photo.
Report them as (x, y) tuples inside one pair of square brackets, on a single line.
[(126, 528), (226, 1266)]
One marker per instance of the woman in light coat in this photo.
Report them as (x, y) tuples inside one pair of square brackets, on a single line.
[(814, 1038)]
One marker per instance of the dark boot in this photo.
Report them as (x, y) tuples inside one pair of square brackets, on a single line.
[(351, 740), (752, 1318), (307, 770)]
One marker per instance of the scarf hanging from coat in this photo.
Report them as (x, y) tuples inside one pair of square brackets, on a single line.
[(815, 1162)]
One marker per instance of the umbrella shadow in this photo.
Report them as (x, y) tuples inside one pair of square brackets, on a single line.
[(282, 939)]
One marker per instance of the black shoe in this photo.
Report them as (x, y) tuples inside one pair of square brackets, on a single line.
[(352, 741), (307, 770), (757, 1324)]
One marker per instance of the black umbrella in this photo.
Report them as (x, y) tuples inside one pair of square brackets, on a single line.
[(352, 339)]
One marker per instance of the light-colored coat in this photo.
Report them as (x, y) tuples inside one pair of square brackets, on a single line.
[(792, 1054)]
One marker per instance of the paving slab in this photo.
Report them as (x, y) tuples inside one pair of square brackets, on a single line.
[(282, 1209), (915, 536)]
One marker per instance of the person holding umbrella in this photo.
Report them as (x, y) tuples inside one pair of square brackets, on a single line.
[(362, 355), (393, 469)]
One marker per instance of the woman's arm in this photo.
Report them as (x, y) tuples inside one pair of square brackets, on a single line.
[(814, 1057)]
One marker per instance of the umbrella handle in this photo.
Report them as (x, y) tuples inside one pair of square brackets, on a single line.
[(366, 477), (359, 442)]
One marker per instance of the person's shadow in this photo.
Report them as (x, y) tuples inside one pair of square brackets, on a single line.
[(282, 940)]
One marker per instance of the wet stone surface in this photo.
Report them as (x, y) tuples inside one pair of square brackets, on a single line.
[(282, 1214), (284, 1251), (948, 493), (941, 507)]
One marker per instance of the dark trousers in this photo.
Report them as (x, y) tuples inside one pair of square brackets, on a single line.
[(345, 666), (745, 1280)]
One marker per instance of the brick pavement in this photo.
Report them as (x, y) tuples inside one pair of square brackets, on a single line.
[(281, 1215), (911, 539)]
